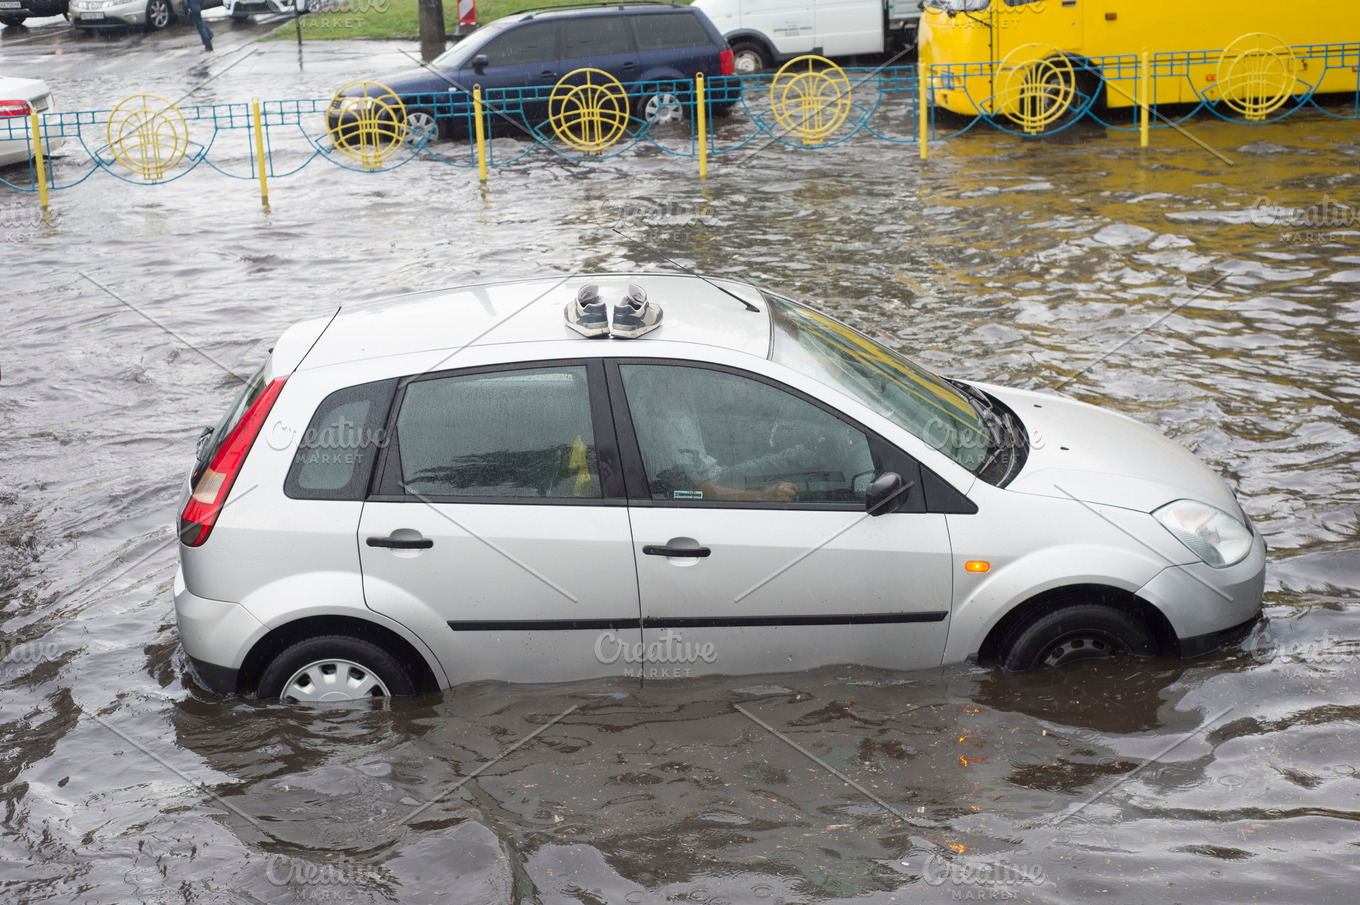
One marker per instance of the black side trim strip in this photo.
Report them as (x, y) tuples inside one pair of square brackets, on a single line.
[(567, 625), (769, 621), (541, 625)]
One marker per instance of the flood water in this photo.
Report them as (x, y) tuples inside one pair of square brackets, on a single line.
[(1136, 280)]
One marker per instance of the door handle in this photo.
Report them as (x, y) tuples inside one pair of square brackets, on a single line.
[(629, 65), (547, 73), (655, 550), (423, 543)]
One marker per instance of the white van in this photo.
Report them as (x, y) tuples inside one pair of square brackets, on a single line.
[(764, 32)]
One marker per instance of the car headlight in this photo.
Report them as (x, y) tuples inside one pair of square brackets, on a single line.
[(1211, 534)]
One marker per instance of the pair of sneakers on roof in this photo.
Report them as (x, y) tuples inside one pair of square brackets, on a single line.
[(588, 315)]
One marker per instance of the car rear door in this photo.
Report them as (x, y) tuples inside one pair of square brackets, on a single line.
[(733, 576), (499, 530)]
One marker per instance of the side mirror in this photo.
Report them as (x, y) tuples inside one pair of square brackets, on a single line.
[(887, 493), (479, 62)]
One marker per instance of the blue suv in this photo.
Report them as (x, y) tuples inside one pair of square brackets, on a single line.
[(654, 49)]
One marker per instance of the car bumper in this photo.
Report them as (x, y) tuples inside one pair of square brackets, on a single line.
[(18, 150), (215, 634), (1206, 605), (105, 19)]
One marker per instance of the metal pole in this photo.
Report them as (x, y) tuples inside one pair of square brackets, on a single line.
[(923, 103), (36, 128), (481, 131), (1143, 124), (259, 152), (701, 119)]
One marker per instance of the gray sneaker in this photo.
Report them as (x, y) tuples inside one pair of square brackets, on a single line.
[(635, 315), (588, 315)]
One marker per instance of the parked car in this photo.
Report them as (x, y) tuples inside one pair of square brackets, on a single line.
[(90, 15), (19, 98), (243, 9), (765, 32), (458, 485), (657, 48), (14, 12)]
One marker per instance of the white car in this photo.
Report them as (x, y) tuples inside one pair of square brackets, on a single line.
[(459, 485), (153, 15), (19, 98)]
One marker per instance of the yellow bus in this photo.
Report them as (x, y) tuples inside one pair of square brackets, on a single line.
[(1038, 61)]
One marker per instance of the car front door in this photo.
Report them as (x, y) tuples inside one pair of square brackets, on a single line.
[(754, 549), (521, 66), (498, 531)]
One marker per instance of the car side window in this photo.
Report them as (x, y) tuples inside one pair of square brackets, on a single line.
[(712, 435), (534, 42), (666, 30), (335, 455), (519, 433), (595, 36)]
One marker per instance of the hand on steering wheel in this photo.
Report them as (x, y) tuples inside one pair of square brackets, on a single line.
[(783, 492)]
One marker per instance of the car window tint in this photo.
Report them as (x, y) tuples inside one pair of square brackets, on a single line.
[(533, 42), (708, 435), (663, 30), (595, 36), (521, 433)]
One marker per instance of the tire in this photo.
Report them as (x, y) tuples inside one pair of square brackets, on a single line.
[(159, 14), (358, 669), (12, 21), (750, 57), (1082, 631), (660, 109)]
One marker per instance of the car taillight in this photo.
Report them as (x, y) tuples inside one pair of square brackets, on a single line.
[(728, 66), (15, 108), (214, 484)]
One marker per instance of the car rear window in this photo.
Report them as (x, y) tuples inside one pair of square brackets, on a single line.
[(209, 446), (335, 456), (595, 36), (518, 433), (669, 30)]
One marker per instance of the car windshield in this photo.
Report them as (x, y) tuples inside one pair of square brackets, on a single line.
[(900, 390), (459, 54)]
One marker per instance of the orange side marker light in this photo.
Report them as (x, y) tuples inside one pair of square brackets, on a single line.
[(977, 565)]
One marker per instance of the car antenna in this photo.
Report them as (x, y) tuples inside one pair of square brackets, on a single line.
[(749, 306)]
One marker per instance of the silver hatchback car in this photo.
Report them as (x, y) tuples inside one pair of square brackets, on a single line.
[(458, 485)]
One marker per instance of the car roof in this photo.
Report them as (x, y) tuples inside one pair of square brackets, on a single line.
[(599, 9), (696, 310)]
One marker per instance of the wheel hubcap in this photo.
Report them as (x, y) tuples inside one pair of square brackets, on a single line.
[(1082, 646), (663, 108), (419, 127), (160, 14), (326, 681)]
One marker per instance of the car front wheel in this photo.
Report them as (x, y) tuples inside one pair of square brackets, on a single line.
[(1083, 631), (334, 669), (158, 14)]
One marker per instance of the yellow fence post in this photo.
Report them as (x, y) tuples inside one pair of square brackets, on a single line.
[(1145, 75), (923, 77), (701, 117), (481, 131), (259, 151), (36, 126)]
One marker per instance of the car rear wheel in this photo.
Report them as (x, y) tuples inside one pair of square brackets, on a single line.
[(158, 14), (1082, 631), (661, 108), (334, 669), (748, 58)]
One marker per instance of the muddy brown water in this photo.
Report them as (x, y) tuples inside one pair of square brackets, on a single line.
[(1066, 264)]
